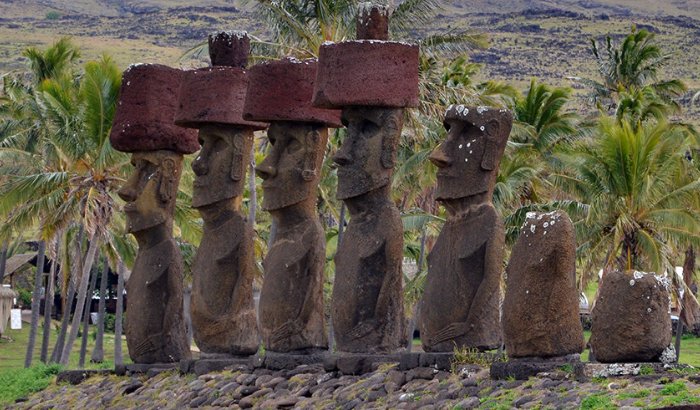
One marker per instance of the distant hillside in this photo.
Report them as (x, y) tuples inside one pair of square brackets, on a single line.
[(547, 39)]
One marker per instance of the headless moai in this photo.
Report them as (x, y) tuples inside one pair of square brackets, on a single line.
[(631, 318), (372, 80), (291, 300), (143, 125), (461, 301), (211, 100), (541, 305)]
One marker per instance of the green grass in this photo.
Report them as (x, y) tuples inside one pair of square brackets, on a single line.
[(12, 353), (17, 383), (690, 350)]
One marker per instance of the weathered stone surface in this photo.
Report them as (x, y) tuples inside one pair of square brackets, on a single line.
[(367, 73), (522, 369), (286, 361), (282, 90), (541, 305), (373, 22), (214, 95), (223, 311), (631, 321), (145, 114), (291, 299), (460, 304), (229, 48), (78, 376), (155, 327), (367, 307)]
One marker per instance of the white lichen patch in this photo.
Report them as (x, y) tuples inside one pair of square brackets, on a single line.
[(481, 109), (632, 282)]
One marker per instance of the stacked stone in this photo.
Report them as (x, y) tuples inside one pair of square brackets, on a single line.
[(144, 125), (372, 80), (291, 313), (212, 100)]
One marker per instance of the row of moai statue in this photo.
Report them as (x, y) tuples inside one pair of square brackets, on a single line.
[(364, 85)]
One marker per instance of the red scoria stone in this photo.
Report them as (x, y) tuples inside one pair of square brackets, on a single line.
[(281, 91), (214, 95), (144, 119), (229, 48), (367, 73)]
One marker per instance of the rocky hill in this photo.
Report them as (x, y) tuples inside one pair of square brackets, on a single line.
[(545, 39)]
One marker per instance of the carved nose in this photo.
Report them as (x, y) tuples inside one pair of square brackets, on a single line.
[(265, 171), (439, 158), (342, 157), (200, 166), (127, 193)]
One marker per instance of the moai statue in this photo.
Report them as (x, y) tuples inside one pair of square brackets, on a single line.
[(461, 302), (291, 301), (143, 125), (211, 99), (541, 306), (372, 80), (631, 318)]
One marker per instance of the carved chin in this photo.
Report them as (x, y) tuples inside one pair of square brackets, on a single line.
[(203, 196), (138, 222), (352, 187), (277, 198), (454, 189)]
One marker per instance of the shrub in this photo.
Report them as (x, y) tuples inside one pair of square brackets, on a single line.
[(53, 15)]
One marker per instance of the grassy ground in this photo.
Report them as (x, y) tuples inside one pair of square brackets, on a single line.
[(12, 353)]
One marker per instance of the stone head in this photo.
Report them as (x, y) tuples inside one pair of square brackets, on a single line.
[(221, 163), (292, 168), (469, 157), (150, 192), (367, 155)]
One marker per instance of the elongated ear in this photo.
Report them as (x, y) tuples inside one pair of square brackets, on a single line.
[(310, 155), (391, 130), (237, 165), (488, 160), (168, 177)]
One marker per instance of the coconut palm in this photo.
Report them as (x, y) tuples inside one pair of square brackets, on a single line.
[(629, 67), (641, 191)]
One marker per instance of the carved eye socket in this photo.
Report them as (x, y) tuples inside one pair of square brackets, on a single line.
[(368, 127), (293, 146)]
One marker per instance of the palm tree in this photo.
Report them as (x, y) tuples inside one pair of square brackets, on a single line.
[(641, 191), (628, 69)]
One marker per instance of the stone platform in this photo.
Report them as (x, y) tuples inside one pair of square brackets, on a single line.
[(150, 369), (524, 368), (441, 361)]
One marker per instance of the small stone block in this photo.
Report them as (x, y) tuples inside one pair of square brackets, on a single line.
[(282, 90), (214, 365), (145, 367), (78, 376), (214, 95), (144, 119), (330, 363), (187, 366), (409, 361), (229, 48), (120, 370), (287, 361), (522, 369), (367, 73), (352, 364)]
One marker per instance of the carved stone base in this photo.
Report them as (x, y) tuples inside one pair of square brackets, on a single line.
[(357, 363), (522, 369), (150, 369), (289, 361), (440, 361)]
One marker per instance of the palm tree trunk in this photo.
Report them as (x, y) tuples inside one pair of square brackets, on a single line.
[(86, 316), (253, 203), (118, 359), (82, 293), (98, 354), (690, 313), (65, 317), (48, 304), (35, 303), (3, 259)]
